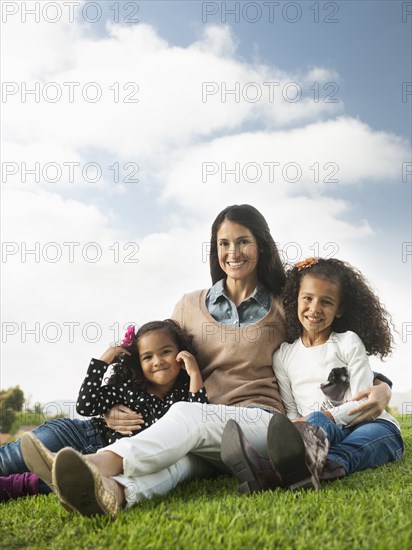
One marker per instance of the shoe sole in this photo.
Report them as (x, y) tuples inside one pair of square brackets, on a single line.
[(78, 485), (287, 452), (34, 452), (234, 457)]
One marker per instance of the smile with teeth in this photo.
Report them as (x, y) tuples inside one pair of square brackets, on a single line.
[(314, 320), (236, 264)]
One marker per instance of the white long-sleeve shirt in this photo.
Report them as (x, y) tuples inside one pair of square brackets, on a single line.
[(301, 370)]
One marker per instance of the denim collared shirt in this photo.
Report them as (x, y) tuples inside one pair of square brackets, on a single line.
[(223, 310)]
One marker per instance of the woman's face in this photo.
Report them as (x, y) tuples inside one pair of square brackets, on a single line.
[(237, 251)]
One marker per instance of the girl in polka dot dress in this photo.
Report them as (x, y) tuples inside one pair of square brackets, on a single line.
[(151, 370), (155, 371)]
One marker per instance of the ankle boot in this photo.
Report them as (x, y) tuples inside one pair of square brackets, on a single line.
[(332, 470), (253, 472), (316, 448), (18, 485), (298, 451), (37, 456)]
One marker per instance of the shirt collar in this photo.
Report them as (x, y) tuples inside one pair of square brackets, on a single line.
[(217, 290), (261, 295)]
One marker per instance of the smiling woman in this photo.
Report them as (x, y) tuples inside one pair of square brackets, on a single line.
[(238, 256)]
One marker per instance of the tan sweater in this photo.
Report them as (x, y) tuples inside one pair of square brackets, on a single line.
[(235, 362)]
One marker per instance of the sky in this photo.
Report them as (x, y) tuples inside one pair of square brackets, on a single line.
[(128, 126)]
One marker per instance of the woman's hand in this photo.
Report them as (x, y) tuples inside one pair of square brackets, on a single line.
[(123, 420), (378, 397), (189, 364), (109, 355)]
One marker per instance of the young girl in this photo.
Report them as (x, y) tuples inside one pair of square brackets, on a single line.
[(152, 370), (333, 321)]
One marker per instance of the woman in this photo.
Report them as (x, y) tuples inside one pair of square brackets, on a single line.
[(236, 326)]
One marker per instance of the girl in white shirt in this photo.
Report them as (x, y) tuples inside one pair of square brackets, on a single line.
[(333, 322)]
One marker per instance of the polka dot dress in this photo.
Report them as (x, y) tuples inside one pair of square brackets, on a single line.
[(95, 399)]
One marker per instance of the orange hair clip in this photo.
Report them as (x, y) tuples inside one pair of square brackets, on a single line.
[(309, 262)]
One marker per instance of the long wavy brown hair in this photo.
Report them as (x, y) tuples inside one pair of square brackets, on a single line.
[(270, 270), (362, 311)]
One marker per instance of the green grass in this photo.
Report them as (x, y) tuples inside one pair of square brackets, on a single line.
[(370, 510)]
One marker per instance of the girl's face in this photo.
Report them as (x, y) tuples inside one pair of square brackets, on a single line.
[(157, 352), (318, 305), (237, 251)]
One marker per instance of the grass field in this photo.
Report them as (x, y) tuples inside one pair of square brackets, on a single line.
[(370, 510)]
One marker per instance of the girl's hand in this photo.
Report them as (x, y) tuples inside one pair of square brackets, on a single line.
[(187, 362), (109, 355), (378, 398), (123, 420)]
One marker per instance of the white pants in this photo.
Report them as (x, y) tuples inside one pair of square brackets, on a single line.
[(158, 459), (160, 483)]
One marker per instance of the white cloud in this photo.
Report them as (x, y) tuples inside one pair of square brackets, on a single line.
[(134, 63), (170, 133), (312, 160)]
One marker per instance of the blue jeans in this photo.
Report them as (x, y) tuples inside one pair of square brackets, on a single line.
[(366, 445), (55, 434)]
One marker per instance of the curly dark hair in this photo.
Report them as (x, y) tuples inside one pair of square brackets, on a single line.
[(362, 312), (127, 367), (270, 270)]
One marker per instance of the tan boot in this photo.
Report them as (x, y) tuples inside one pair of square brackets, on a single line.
[(37, 457), (80, 486)]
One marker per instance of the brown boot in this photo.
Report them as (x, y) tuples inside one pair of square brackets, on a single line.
[(332, 470), (298, 451), (253, 472), (316, 447)]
